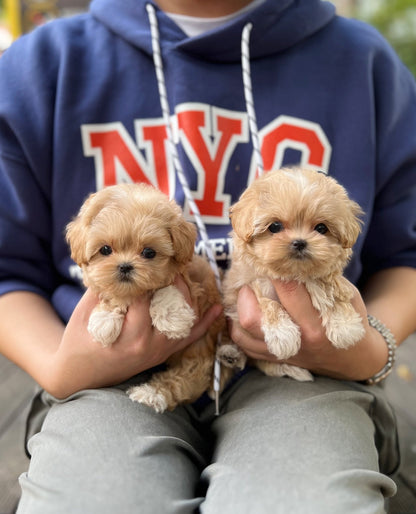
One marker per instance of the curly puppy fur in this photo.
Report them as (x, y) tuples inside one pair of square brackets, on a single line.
[(293, 225), (131, 240)]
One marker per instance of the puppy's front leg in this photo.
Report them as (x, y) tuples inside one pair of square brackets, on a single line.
[(344, 327), (105, 325), (171, 314), (281, 334), (275, 369), (185, 381)]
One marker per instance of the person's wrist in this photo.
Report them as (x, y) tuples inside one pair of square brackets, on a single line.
[(60, 377), (358, 363), (390, 351)]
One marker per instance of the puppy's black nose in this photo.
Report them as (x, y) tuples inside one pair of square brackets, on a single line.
[(299, 244), (125, 268)]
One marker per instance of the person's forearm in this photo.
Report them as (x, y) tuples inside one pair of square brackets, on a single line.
[(30, 333), (390, 296), (64, 360)]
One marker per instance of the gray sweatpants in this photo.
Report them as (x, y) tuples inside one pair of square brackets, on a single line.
[(279, 446)]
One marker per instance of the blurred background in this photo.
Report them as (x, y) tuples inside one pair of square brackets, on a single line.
[(395, 19), (20, 16)]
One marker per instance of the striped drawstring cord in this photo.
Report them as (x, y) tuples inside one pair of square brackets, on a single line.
[(160, 76), (248, 94)]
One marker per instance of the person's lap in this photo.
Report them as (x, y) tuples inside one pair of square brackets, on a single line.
[(278, 445), (301, 447), (100, 452)]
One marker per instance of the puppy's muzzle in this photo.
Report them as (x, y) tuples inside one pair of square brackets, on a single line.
[(125, 271)]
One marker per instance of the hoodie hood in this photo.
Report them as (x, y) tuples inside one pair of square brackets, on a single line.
[(277, 25)]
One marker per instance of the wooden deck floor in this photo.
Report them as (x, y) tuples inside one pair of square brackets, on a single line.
[(17, 390)]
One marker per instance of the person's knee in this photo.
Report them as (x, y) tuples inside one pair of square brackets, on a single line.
[(100, 452)]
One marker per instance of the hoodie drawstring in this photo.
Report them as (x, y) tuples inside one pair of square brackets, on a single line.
[(248, 95), (158, 63), (160, 76)]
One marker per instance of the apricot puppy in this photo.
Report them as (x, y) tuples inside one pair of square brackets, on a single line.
[(294, 225), (131, 240)]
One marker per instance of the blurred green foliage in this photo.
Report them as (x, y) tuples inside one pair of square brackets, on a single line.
[(396, 20)]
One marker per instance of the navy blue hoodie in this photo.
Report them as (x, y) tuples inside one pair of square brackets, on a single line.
[(80, 109)]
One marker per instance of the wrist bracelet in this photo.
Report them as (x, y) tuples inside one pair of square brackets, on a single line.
[(391, 345)]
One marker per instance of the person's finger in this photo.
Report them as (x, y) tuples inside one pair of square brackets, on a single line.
[(252, 347), (139, 309), (137, 322), (180, 283), (197, 332), (297, 302), (86, 303), (201, 327), (249, 312)]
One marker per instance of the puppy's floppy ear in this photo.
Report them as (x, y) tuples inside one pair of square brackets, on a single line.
[(76, 230), (75, 236), (183, 234), (352, 224), (242, 217)]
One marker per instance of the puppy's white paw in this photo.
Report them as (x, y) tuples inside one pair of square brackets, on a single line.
[(283, 338), (345, 331), (273, 369), (105, 326), (299, 374), (147, 395), (171, 314), (231, 356)]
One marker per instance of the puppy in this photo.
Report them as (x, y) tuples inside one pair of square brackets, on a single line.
[(131, 240), (293, 225)]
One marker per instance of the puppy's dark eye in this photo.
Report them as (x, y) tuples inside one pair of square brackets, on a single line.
[(106, 250), (275, 227), (321, 228), (148, 253)]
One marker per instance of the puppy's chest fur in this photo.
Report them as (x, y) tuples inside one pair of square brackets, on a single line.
[(324, 293)]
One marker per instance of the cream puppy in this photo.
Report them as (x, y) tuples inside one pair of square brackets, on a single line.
[(293, 225), (131, 240)]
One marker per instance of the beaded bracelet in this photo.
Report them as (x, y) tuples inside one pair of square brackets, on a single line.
[(391, 345)]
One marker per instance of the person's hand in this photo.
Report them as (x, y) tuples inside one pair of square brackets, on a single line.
[(317, 354), (81, 362)]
